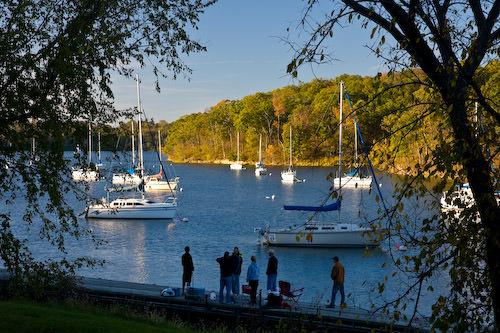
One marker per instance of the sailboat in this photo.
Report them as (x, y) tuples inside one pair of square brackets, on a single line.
[(260, 168), (237, 165), (354, 179), (129, 176), (289, 175), (134, 208), (155, 182), (316, 233), (86, 174)]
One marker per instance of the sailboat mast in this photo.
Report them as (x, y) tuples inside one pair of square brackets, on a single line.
[(238, 147), (141, 158), (133, 145), (99, 147), (90, 142), (340, 141), (355, 146), (290, 147), (260, 148), (159, 152)]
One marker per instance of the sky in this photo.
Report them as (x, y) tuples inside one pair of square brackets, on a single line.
[(244, 56)]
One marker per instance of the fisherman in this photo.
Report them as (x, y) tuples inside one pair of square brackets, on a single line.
[(188, 268), (237, 258), (253, 279), (226, 277), (272, 271), (337, 276)]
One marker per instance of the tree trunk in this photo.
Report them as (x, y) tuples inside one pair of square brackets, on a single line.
[(480, 181)]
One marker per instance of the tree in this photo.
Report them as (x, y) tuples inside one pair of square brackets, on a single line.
[(448, 41), (56, 61)]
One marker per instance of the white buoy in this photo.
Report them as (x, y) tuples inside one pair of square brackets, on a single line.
[(181, 189), (185, 219), (273, 196)]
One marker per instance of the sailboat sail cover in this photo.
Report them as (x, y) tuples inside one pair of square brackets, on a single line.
[(326, 208), (353, 173)]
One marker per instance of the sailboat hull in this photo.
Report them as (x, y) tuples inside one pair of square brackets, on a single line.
[(154, 184), (353, 182), (84, 175), (320, 235), (132, 209), (125, 178), (288, 176)]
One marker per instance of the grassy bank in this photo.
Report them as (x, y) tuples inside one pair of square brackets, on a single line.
[(28, 316)]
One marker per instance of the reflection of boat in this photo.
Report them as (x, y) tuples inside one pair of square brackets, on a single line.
[(354, 179), (260, 168), (86, 174), (155, 182), (289, 175), (134, 208), (237, 165), (321, 234)]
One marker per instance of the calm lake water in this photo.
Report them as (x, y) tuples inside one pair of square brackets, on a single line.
[(223, 207)]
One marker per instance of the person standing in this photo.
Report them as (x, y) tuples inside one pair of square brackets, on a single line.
[(188, 268), (337, 276), (253, 273), (226, 277), (237, 258), (272, 271)]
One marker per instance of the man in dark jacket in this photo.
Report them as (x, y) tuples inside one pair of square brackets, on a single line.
[(226, 276), (272, 271), (188, 268), (237, 261)]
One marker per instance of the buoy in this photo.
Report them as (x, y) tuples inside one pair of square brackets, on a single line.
[(181, 189), (273, 196), (185, 219)]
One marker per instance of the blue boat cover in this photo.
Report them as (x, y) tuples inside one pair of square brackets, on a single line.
[(326, 208), (131, 171), (352, 173)]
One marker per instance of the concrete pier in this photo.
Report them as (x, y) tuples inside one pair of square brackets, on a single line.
[(147, 297)]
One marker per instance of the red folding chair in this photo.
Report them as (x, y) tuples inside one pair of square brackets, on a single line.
[(290, 296)]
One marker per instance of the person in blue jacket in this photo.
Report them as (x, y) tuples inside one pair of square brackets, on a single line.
[(253, 278)]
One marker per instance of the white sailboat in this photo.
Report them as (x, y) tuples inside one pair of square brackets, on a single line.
[(129, 176), (86, 174), (237, 165), (134, 208), (354, 179), (316, 233), (260, 168), (155, 182), (289, 175)]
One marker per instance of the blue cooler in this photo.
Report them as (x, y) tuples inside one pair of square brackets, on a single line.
[(196, 293)]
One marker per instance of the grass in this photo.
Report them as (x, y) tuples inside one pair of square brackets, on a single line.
[(28, 316)]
